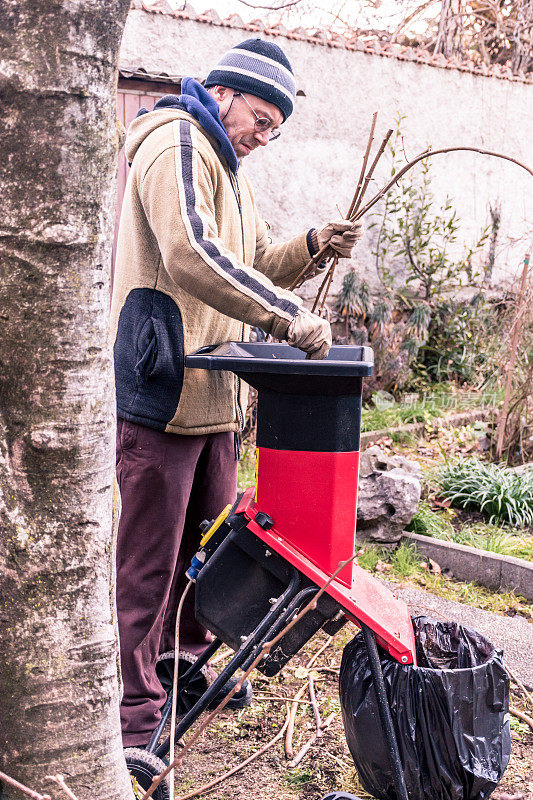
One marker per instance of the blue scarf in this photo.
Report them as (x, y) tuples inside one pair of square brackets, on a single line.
[(200, 105)]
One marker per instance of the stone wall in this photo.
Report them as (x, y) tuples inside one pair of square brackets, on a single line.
[(302, 178)]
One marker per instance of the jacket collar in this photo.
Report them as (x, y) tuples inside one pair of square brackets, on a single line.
[(200, 105)]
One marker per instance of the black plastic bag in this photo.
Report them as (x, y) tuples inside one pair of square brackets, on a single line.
[(450, 714)]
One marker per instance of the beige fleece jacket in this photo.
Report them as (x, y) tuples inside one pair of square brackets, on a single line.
[(195, 266)]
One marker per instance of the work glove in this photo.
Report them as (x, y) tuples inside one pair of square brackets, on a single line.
[(342, 236), (310, 333)]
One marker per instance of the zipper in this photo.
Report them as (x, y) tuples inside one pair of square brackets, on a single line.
[(240, 415), (236, 190)]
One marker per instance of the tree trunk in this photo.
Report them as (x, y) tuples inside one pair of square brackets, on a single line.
[(58, 139), (450, 33), (522, 37)]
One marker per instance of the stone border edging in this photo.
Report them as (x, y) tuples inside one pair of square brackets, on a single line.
[(470, 564), (473, 415)]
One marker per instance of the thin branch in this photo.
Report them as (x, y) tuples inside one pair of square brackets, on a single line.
[(226, 652), (208, 786), (279, 698), (22, 788), (305, 749), (321, 287), (426, 154), (371, 172), (528, 695), (59, 779), (363, 167), (337, 759), (520, 715), (175, 676), (289, 752), (314, 704), (292, 713), (330, 280), (271, 8), (509, 369), (323, 254), (409, 18)]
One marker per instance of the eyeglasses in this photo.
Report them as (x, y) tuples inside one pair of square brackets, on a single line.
[(262, 124)]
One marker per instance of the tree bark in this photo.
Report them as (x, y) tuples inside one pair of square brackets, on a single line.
[(58, 139), (522, 37), (450, 33)]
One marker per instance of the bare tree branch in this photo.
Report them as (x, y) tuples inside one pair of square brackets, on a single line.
[(281, 7)]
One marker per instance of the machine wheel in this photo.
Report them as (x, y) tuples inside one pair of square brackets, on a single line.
[(189, 694), (144, 767)]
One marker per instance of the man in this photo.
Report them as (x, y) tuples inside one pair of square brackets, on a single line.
[(195, 267)]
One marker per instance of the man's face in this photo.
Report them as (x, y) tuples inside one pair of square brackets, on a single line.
[(239, 119)]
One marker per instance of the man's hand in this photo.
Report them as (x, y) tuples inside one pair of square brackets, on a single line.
[(342, 236), (310, 333)]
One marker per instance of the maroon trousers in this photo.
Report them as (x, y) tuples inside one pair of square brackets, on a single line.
[(168, 485)]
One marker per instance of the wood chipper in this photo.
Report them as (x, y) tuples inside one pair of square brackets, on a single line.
[(263, 559)]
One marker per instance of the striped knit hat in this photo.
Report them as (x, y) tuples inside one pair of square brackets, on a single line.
[(259, 68)]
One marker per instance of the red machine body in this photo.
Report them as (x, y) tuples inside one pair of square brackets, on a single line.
[(313, 505), (308, 435), (366, 599)]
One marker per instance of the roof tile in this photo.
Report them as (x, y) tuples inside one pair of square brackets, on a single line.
[(210, 16), (259, 24), (233, 21), (333, 39), (161, 7)]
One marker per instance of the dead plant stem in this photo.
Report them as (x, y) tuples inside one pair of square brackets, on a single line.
[(59, 779), (314, 704), (513, 351), (527, 695), (208, 786), (426, 154), (363, 167), (305, 749), (521, 715), (294, 706), (20, 786), (370, 172)]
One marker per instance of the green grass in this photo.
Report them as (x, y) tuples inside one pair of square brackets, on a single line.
[(369, 557), (246, 474), (432, 405), (405, 560), (483, 535), (518, 727), (498, 492), (299, 777), (427, 522), (407, 565)]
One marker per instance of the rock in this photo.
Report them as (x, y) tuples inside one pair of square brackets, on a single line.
[(389, 494), (383, 399)]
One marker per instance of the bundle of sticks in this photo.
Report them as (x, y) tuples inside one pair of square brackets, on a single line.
[(357, 210), (326, 254)]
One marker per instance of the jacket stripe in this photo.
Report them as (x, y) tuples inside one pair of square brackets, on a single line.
[(206, 248)]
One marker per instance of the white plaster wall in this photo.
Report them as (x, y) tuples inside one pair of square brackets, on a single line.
[(313, 168)]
